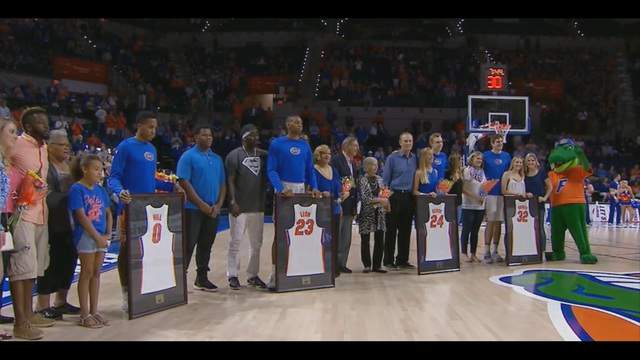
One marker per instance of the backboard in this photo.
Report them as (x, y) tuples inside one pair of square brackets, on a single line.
[(484, 109)]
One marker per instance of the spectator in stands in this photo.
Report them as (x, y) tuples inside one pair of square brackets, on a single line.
[(101, 116), (121, 125), (5, 112)]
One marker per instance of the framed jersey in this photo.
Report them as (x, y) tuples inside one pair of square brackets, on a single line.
[(437, 234), (157, 278), (522, 237), (304, 244)]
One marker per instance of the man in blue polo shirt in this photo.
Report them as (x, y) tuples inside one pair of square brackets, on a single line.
[(398, 174), (201, 175)]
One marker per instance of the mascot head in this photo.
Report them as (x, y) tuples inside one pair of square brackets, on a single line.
[(566, 155)]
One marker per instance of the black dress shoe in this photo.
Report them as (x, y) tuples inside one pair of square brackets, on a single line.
[(345, 270), (67, 309), (380, 271), (6, 319), (52, 314)]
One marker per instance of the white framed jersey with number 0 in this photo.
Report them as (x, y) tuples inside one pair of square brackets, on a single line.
[(306, 256), (157, 252), (524, 233), (438, 244)]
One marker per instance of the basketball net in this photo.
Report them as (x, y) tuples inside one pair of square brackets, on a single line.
[(499, 128)]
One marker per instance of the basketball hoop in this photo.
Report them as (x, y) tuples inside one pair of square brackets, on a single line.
[(499, 128)]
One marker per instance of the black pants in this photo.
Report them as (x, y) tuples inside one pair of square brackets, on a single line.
[(335, 234), (64, 259), (542, 212), (398, 222), (201, 231), (378, 249), (471, 221), (5, 264)]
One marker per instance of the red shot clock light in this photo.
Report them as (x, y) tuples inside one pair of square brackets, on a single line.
[(494, 78)]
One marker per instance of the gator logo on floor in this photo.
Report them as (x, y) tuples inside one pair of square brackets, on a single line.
[(584, 305)]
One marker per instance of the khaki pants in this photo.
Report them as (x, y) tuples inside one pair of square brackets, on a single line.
[(31, 258), (251, 226)]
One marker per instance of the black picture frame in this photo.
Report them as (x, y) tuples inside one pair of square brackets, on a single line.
[(136, 222), (283, 221), (423, 218), (509, 212)]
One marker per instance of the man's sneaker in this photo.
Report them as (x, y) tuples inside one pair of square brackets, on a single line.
[(234, 283), (380, 271), (50, 313), (487, 259), (496, 258), (406, 266), (205, 285), (38, 320), (67, 308), (27, 332), (256, 282)]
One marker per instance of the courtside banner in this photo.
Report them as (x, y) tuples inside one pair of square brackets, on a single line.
[(304, 244), (437, 234), (522, 237), (156, 245)]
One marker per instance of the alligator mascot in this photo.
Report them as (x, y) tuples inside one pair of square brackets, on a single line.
[(569, 169)]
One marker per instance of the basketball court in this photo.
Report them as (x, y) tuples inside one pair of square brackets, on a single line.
[(464, 305)]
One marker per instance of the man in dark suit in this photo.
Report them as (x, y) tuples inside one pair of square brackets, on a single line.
[(346, 168)]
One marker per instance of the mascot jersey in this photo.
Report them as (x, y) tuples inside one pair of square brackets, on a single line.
[(567, 186)]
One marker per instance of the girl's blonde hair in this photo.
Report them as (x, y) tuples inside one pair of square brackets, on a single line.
[(513, 161), (424, 179), (526, 159), (318, 150)]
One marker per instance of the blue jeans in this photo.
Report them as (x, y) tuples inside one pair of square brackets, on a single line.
[(614, 207)]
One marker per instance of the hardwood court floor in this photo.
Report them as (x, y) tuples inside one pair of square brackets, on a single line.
[(463, 305)]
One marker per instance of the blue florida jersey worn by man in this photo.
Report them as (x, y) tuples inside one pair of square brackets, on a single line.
[(494, 167), (134, 168), (291, 161), (441, 163)]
